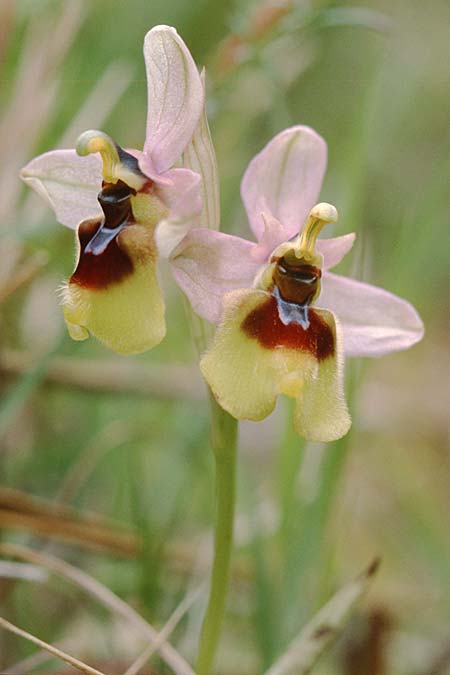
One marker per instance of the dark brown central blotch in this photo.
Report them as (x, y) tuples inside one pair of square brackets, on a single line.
[(296, 280), (102, 261), (264, 325)]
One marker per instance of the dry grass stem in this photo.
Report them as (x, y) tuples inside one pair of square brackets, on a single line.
[(23, 571), (105, 596), (88, 531), (24, 275), (165, 632), (51, 649), (35, 80), (320, 633), (112, 376), (18, 510), (25, 666)]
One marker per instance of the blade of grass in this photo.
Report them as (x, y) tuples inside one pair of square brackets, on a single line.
[(308, 522), (18, 393), (266, 610), (264, 586), (290, 459), (29, 269), (107, 439), (35, 80)]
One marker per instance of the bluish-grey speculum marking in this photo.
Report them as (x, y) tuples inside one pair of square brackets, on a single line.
[(296, 285), (290, 312)]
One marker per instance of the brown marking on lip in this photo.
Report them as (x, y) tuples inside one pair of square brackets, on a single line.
[(296, 280), (98, 269), (97, 272), (104, 260), (264, 324)]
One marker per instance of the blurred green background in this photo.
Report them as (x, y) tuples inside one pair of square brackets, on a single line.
[(125, 441)]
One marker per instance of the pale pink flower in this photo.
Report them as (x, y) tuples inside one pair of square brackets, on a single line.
[(114, 291), (284, 320)]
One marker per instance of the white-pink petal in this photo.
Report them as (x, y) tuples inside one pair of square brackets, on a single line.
[(207, 264), (284, 179), (181, 191), (273, 235), (175, 96), (334, 249), (68, 183), (200, 156), (374, 321)]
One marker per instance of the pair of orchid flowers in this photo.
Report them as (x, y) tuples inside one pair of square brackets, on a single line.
[(284, 322)]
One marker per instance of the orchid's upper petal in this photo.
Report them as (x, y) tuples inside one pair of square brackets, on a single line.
[(175, 96), (200, 156), (374, 321), (284, 179), (334, 249), (68, 183), (207, 264), (148, 168)]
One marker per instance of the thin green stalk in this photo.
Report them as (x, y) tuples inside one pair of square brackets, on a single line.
[(224, 441)]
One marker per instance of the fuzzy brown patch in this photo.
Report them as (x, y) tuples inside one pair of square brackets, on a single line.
[(264, 324), (100, 266), (99, 271)]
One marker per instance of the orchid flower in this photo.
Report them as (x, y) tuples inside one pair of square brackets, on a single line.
[(122, 203), (284, 320)]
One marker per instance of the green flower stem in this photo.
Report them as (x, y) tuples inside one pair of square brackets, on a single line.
[(224, 442)]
